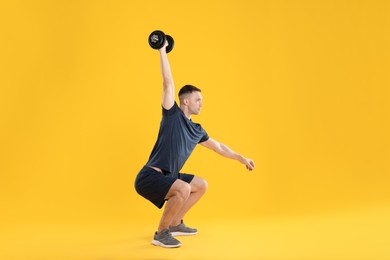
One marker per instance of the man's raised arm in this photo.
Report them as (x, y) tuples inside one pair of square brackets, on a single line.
[(168, 97)]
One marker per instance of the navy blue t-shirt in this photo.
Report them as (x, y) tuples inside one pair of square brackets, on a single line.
[(176, 140)]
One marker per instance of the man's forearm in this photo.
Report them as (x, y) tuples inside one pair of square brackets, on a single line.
[(165, 68), (229, 153)]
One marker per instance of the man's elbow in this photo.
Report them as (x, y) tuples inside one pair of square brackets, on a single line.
[(168, 89), (167, 82), (219, 150)]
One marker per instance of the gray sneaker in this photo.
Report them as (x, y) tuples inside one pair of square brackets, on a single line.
[(182, 230), (165, 239)]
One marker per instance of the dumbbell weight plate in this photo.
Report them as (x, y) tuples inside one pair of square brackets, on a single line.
[(171, 43), (156, 39)]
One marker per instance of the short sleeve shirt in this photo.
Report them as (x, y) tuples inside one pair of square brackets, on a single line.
[(176, 140)]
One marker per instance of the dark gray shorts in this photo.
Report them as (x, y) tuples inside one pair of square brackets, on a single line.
[(154, 185)]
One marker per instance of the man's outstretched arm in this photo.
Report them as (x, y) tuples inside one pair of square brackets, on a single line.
[(168, 97), (225, 151)]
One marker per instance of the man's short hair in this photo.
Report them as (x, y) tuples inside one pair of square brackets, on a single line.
[(188, 89)]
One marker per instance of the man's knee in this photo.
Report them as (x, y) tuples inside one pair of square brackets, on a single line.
[(203, 185), (199, 184), (183, 190), (180, 189)]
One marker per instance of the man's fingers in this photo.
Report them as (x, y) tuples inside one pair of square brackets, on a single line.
[(250, 165)]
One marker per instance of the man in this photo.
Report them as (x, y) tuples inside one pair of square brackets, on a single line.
[(160, 179)]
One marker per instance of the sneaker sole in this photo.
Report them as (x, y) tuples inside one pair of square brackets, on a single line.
[(158, 243), (175, 234)]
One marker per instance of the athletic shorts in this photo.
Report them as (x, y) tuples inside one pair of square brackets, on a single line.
[(154, 185)]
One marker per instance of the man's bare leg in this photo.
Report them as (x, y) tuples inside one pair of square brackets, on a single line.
[(177, 196), (198, 188)]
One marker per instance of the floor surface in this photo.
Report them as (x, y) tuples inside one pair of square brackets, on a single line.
[(355, 234)]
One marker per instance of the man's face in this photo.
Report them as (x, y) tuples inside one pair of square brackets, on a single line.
[(195, 102)]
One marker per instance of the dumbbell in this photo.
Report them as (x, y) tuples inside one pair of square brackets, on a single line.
[(157, 40)]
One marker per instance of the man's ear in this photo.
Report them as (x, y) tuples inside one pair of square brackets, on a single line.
[(185, 101)]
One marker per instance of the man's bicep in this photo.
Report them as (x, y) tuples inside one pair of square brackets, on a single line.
[(168, 97), (211, 144)]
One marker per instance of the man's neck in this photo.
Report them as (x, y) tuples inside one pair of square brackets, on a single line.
[(186, 113)]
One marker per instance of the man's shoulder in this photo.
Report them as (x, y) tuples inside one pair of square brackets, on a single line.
[(170, 111)]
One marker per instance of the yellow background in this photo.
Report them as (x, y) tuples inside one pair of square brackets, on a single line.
[(301, 87)]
